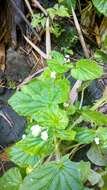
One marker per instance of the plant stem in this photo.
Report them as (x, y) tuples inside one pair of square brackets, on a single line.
[(57, 152), (78, 120), (99, 103)]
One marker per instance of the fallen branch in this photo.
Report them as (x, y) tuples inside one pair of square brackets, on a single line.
[(40, 52), (80, 34), (29, 78), (48, 39), (74, 90), (29, 7)]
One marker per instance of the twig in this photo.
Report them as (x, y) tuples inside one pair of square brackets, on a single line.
[(57, 152), (36, 48), (74, 93), (29, 78), (37, 4), (48, 39), (29, 7), (80, 34)]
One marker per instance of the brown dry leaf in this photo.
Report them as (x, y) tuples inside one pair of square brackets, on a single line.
[(74, 91), (88, 19), (103, 30), (2, 57), (86, 16), (97, 35)]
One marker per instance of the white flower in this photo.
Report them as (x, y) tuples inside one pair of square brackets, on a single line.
[(53, 74), (66, 105), (97, 140), (36, 130), (67, 58), (23, 136), (44, 135)]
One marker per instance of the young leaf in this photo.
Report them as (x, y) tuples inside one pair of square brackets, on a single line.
[(62, 11), (22, 158), (12, 179), (57, 10), (86, 69), (61, 175), (57, 63), (68, 3), (101, 6)]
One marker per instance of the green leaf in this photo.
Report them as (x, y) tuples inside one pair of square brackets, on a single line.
[(56, 29), (96, 117), (62, 11), (100, 56), (86, 69), (38, 19), (52, 118), (11, 180), (95, 178), (105, 182), (97, 156), (85, 135), (71, 110), (101, 133), (62, 89), (101, 6), (39, 95), (68, 135), (57, 63), (35, 146), (22, 158), (88, 174), (57, 10), (61, 175), (68, 3), (85, 170)]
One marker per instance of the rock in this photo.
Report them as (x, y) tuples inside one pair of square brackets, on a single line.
[(11, 125), (17, 67)]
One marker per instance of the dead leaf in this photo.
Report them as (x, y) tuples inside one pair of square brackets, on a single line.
[(2, 57), (74, 91)]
